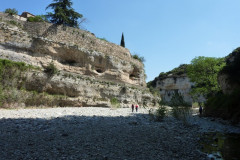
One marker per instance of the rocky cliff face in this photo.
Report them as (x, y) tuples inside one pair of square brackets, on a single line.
[(171, 84), (173, 81), (91, 70), (229, 77)]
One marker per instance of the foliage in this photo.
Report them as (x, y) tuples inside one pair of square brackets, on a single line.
[(139, 58), (51, 69), (181, 69), (13, 22), (161, 113), (122, 41), (180, 109), (226, 106), (10, 72), (158, 114), (154, 91), (11, 79), (114, 102), (177, 100), (203, 71), (63, 14), (11, 11), (232, 68), (38, 18), (12, 87)]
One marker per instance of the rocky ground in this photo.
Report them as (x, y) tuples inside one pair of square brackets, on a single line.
[(99, 133)]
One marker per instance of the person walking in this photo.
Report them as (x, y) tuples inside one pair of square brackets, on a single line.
[(136, 108), (132, 107), (200, 109)]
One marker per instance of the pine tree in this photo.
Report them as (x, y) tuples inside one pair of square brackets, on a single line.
[(63, 13), (122, 41)]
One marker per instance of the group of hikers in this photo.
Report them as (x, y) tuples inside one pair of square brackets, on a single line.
[(136, 107)]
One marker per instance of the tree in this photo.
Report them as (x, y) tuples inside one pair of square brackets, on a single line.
[(203, 71), (122, 41), (63, 13), (11, 11)]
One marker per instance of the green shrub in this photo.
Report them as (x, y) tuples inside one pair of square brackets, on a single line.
[(182, 113), (13, 22), (181, 110), (139, 58), (38, 18), (11, 11), (51, 69), (161, 113), (114, 102), (226, 106)]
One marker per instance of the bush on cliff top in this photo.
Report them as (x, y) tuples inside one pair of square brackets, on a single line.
[(38, 18), (139, 58), (10, 11)]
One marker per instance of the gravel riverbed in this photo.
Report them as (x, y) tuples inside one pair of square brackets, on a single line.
[(99, 133)]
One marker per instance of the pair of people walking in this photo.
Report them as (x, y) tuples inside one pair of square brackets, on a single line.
[(136, 107)]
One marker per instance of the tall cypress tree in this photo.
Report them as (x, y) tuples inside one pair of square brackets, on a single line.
[(122, 41)]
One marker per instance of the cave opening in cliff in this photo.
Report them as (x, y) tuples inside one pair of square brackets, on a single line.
[(135, 74), (132, 76), (99, 70), (69, 62)]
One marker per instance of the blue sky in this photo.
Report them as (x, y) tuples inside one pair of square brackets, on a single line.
[(166, 32)]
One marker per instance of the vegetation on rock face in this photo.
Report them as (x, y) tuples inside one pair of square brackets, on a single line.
[(38, 18), (12, 87), (232, 68), (11, 11), (227, 106), (203, 71), (181, 69), (51, 69), (139, 58), (11, 80), (115, 102), (63, 13)]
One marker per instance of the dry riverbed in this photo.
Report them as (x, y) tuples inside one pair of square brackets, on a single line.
[(100, 133)]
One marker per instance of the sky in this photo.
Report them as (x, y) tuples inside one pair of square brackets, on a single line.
[(166, 33)]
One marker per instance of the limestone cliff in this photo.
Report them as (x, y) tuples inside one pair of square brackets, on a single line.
[(174, 81), (91, 71)]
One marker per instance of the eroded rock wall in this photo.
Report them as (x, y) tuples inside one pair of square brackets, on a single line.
[(91, 71), (70, 47), (170, 84)]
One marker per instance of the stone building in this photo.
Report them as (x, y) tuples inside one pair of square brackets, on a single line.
[(27, 15)]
